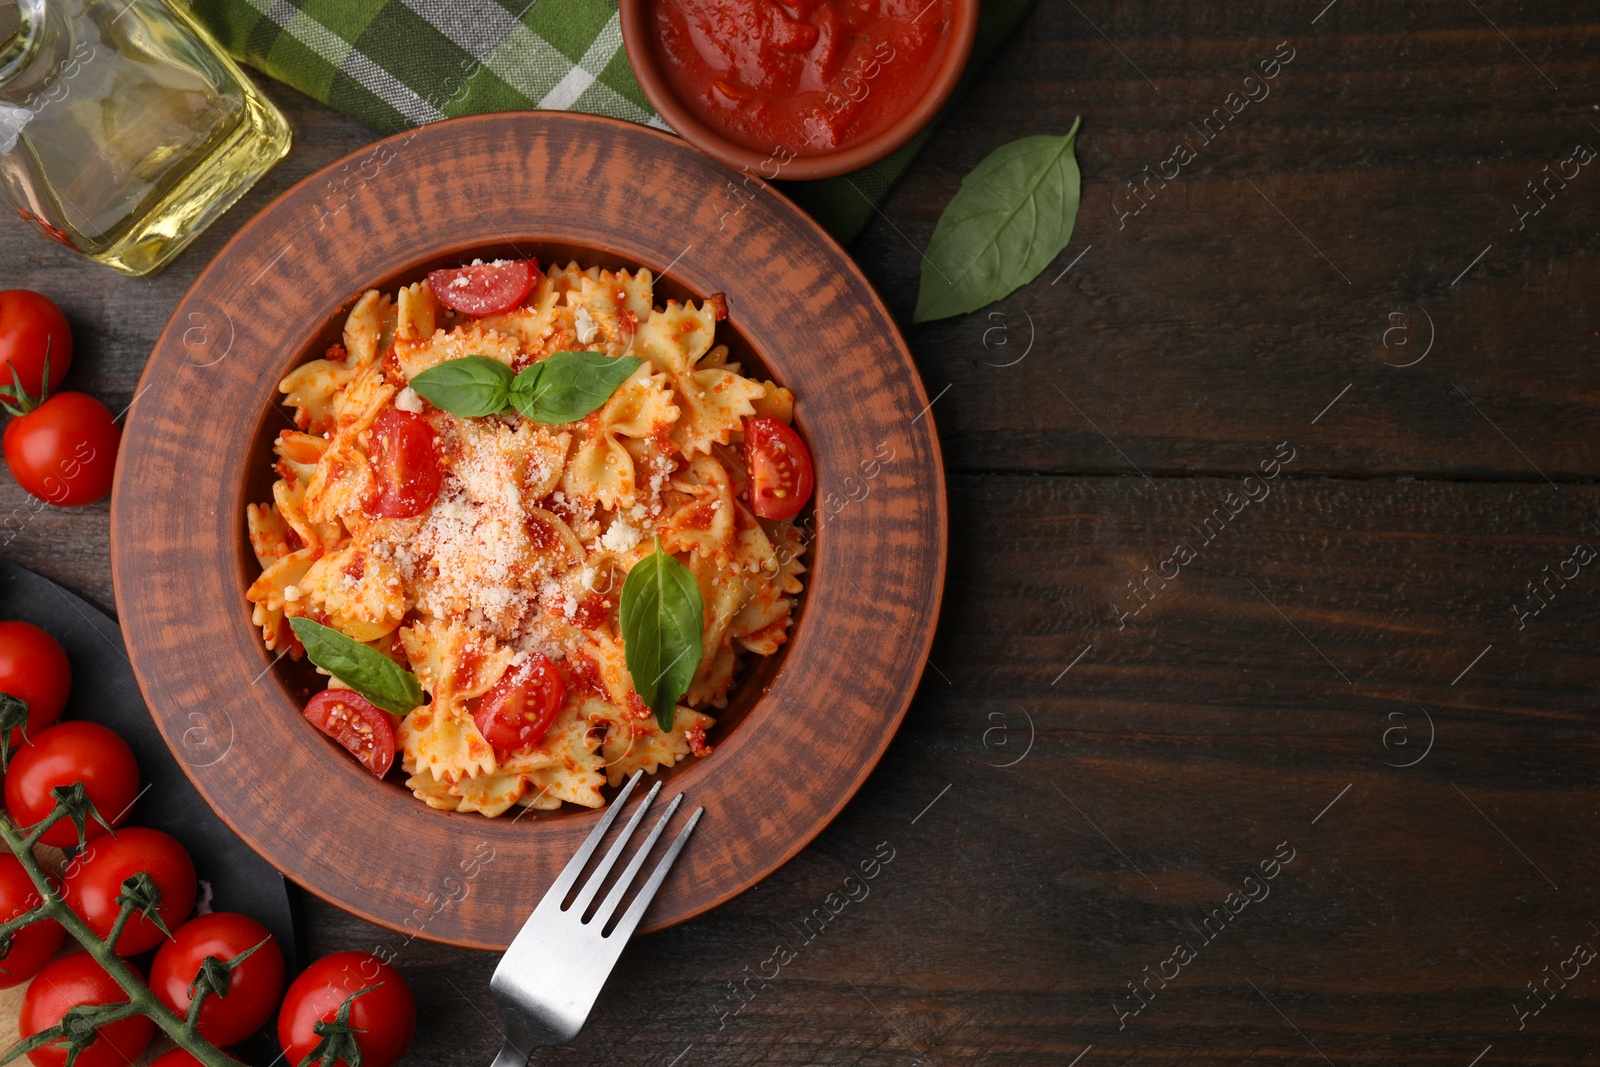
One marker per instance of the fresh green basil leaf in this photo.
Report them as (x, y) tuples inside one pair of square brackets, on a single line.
[(1012, 215), (566, 386), (366, 670), (662, 615), (469, 387)]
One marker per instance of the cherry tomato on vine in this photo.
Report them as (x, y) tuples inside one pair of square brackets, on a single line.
[(177, 1057), (365, 730), (405, 463), (481, 289), (65, 984), (386, 1015), (30, 326), (519, 709), (780, 468), (63, 451), (95, 878), (65, 753), (34, 944), (34, 668), (253, 988)]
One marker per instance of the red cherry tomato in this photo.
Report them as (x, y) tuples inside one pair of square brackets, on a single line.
[(254, 986), (387, 1015), (30, 325), (95, 878), (780, 468), (519, 709), (61, 755), (366, 731), (405, 461), (34, 944), (485, 288), (33, 667), (177, 1057), (65, 984), (64, 451)]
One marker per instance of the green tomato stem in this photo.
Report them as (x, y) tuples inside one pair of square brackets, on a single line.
[(140, 999)]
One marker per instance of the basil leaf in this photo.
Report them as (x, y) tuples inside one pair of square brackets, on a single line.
[(662, 615), (366, 670), (566, 386), (469, 387), (1012, 215)]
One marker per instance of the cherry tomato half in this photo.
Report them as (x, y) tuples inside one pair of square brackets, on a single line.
[(61, 755), (34, 944), (387, 1015), (780, 468), (95, 878), (33, 667), (405, 462), (365, 730), (30, 324), (481, 289), (65, 984), (254, 986), (519, 709), (64, 451)]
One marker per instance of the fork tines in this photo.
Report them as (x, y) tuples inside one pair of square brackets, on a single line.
[(580, 906)]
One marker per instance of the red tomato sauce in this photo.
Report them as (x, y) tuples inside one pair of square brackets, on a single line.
[(805, 77)]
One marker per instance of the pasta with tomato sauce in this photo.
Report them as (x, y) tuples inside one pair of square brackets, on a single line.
[(487, 554)]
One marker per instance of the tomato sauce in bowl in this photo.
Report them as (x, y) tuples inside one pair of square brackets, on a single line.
[(801, 77)]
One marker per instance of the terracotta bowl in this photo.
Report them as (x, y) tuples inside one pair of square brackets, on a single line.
[(638, 35), (802, 730)]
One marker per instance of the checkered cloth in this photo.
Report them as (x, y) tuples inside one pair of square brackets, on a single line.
[(394, 64)]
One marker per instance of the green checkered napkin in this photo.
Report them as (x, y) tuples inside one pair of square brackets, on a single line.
[(394, 64)]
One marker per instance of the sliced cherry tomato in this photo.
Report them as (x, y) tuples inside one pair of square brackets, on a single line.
[(481, 289), (61, 755), (34, 944), (519, 709), (95, 878), (33, 667), (780, 468), (405, 461), (365, 730), (30, 326), (65, 984), (384, 1018), (64, 451), (253, 988)]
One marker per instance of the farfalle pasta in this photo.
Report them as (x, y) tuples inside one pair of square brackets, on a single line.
[(472, 551)]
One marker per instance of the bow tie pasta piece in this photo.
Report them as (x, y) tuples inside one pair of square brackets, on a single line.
[(634, 744), (418, 313), (357, 594), (676, 337), (370, 327), (602, 469), (454, 663), (411, 358)]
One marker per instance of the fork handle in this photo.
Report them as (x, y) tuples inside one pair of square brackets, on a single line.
[(510, 1056)]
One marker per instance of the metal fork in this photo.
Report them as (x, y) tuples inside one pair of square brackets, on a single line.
[(548, 979)]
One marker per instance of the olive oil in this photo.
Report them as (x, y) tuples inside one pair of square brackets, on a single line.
[(124, 131)]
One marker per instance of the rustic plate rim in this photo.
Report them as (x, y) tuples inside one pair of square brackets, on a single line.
[(937, 546)]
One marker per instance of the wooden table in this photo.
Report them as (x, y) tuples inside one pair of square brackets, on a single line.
[(1118, 740)]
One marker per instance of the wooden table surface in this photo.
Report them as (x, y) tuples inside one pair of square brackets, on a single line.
[(1366, 676)]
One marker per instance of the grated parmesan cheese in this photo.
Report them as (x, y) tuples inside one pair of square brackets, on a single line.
[(408, 400), (588, 329), (621, 536)]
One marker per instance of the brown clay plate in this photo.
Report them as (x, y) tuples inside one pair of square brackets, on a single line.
[(803, 729)]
